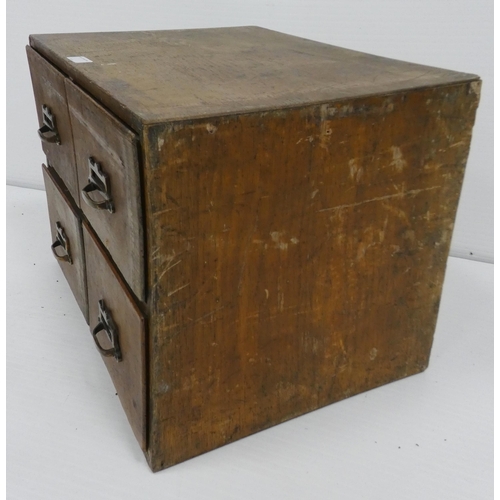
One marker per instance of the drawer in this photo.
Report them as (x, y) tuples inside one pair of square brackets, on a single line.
[(67, 237), (53, 119), (106, 154), (118, 329)]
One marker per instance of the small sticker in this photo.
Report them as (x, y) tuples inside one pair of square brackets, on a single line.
[(79, 59)]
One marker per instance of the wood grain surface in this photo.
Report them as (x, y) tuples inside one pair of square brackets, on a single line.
[(128, 375), (61, 210), (154, 76), (296, 257), (49, 90), (296, 201), (100, 135)]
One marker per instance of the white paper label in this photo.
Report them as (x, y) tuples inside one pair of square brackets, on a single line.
[(79, 59)]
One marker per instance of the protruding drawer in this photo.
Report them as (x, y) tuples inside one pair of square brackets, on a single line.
[(108, 172), (53, 119), (118, 328), (67, 237)]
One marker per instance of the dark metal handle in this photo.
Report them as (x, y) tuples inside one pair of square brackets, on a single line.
[(104, 204), (98, 181), (48, 131), (106, 323), (48, 135), (61, 241)]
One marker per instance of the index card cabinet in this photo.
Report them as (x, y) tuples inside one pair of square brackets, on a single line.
[(254, 224)]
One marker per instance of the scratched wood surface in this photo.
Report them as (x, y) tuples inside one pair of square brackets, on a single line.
[(49, 90), (62, 211), (152, 76), (128, 375), (299, 202), (99, 135), (296, 258)]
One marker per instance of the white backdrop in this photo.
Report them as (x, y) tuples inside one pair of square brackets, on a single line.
[(453, 34)]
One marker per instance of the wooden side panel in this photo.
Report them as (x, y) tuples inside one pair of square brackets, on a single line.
[(61, 211), (128, 375), (296, 258), (99, 135), (49, 90)]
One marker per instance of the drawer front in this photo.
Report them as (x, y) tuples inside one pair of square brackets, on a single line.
[(67, 238), (118, 329), (106, 154), (53, 119)]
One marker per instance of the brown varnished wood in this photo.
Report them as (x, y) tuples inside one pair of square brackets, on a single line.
[(99, 135), (290, 218), (61, 210), (49, 89), (155, 76), (296, 258), (128, 375)]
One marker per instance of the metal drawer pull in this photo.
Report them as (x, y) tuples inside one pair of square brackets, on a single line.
[(98, 181), (61, 241), (106, 323), (48, 131)]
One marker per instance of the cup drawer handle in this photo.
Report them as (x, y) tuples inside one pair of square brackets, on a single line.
[(63, 242), (105, 322), (100, 182), (48, 131)]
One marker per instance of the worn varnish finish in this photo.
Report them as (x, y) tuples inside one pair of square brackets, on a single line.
[(284, 211), (156, 76), (100, 136), (61, 211), (49, 90), (128, 375), (297, 258)]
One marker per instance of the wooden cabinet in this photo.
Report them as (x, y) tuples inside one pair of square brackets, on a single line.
[(266, 219)]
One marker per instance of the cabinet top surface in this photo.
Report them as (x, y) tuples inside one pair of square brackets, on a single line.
[(156, 76)]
